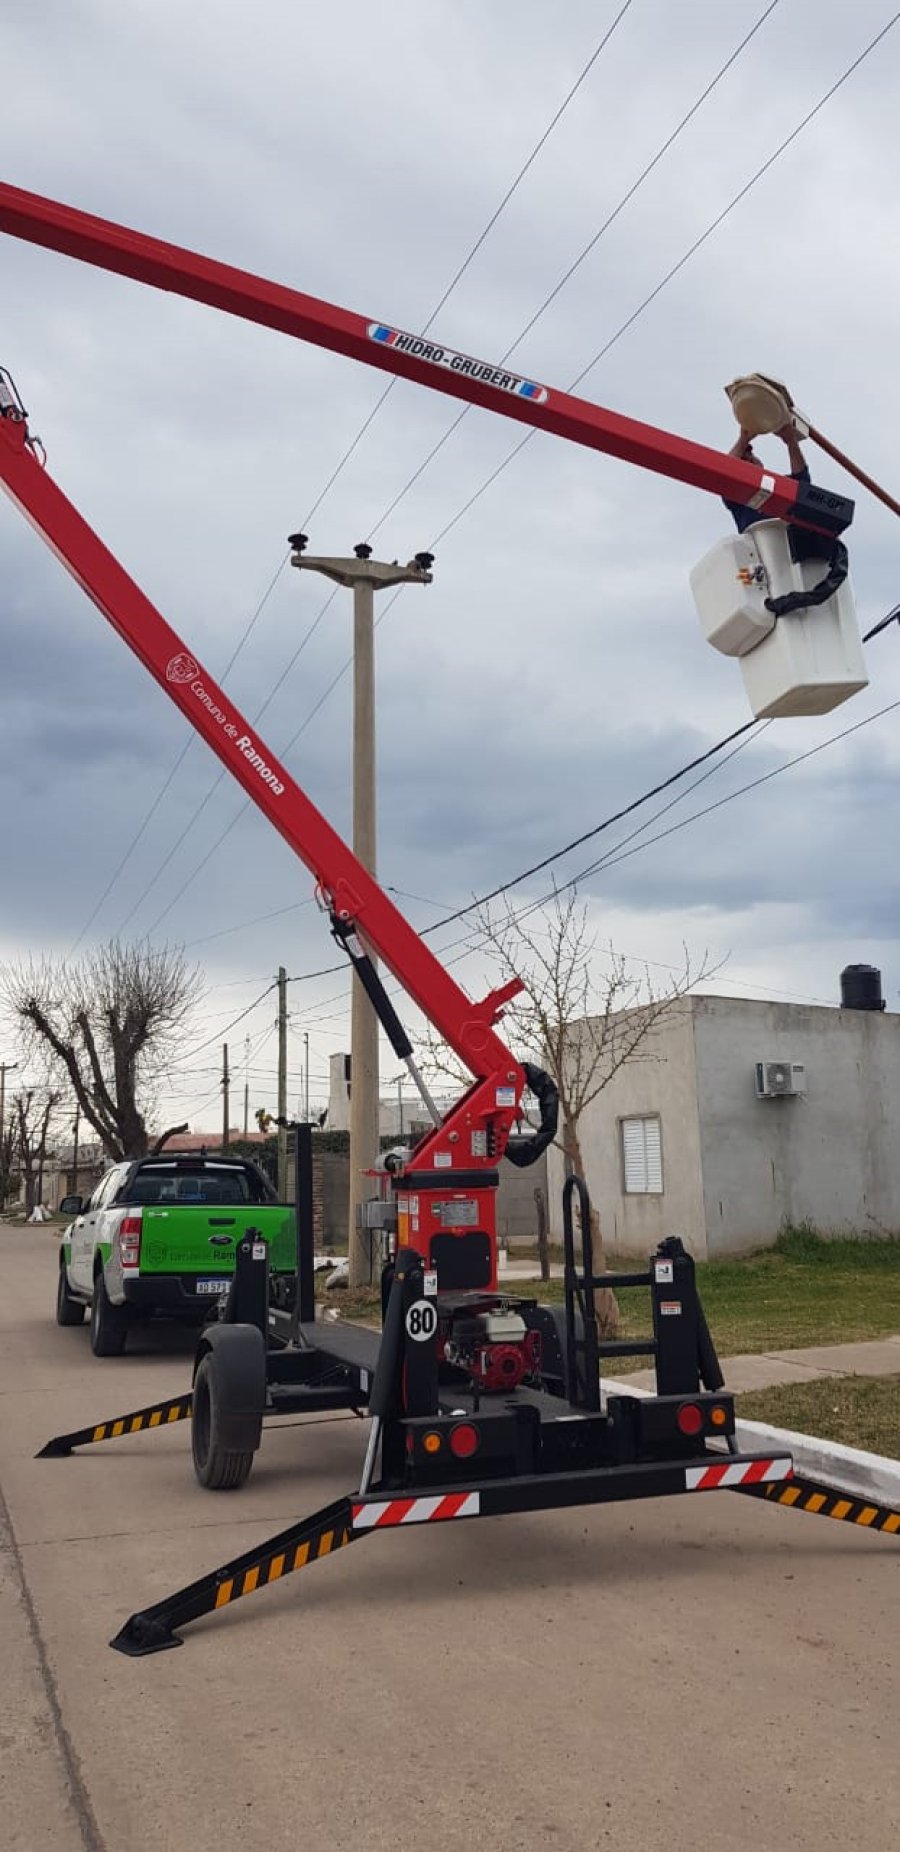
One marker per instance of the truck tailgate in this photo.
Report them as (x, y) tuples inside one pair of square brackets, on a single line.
[(200, 1239)]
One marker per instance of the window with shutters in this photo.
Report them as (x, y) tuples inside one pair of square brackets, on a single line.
[(642, 1156)]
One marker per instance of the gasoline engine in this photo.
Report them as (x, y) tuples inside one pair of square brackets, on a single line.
[(495, 1347)]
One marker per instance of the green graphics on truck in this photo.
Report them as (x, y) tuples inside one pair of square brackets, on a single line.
[(158, 1237)]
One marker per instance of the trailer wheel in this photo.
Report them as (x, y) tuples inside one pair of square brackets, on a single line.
[(69, 1311), (109, 1323), (218, 1467)]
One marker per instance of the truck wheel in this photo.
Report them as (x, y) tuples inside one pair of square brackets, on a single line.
[(69, 1311), (218, 1467), (109, 1323)]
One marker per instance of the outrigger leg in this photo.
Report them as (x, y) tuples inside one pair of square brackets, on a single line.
[(158, 1415), (152, 1629), (828, 1501)]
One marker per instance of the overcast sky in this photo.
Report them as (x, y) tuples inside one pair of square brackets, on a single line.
[(555, 669)]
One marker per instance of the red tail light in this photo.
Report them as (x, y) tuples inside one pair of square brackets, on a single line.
[(690, 1418), (129, 1239), (464, 1440)]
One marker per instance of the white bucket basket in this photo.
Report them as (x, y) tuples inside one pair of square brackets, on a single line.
[(805, 663)]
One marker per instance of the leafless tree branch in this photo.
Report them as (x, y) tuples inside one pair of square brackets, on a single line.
[(108, 1023)]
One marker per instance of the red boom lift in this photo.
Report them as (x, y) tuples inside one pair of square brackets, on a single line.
[(479, 1404)]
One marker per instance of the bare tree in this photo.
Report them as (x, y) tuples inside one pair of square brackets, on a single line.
[(31, 1120), (9, 1148), (109, 1022), (581, 1015)]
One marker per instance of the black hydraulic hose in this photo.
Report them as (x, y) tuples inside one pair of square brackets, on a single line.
[(525, 1150), (817, 594)]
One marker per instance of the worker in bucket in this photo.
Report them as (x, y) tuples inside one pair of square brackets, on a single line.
[(805, 545), (744, 516)]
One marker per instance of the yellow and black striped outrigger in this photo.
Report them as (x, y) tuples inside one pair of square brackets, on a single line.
[(348, 1520), (152, 1630), (158, 1415), (824, 1501)]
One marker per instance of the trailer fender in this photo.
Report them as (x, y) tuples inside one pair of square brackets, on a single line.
[(238, 1354)]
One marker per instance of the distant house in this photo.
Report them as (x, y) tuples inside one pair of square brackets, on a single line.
[(737, 1117)]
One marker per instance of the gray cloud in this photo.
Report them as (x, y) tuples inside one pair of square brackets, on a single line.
[(555, 668)]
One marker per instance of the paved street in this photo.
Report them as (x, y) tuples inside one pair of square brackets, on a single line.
[(699, 1673)]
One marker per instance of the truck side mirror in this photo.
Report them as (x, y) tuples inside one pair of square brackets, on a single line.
[(71, 1205)]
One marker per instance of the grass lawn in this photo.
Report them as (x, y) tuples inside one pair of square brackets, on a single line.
[(861, 1411), (802, 1291)]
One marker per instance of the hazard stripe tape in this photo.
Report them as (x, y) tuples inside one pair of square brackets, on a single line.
[(283, 1562), (133, 1424), (382, 1514), (825, 1502), (732, 1473)]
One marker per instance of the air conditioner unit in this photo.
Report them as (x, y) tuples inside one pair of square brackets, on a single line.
[(779, 1080)]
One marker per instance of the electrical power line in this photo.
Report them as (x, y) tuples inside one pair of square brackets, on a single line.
[(693, 248), (332, 479), (614, 856), (567, 274), (222, 1033), (665, 146)]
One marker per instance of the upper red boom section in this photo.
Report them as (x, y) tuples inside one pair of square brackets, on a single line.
[(239, 292)]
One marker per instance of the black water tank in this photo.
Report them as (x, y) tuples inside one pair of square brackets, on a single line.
[(861, 988)]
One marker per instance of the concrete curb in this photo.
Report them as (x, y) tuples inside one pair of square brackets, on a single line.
[(847, 1469), (869, 1475)]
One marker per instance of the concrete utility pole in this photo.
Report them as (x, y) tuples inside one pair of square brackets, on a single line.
[(225, 1113), (363, 576), (282, 1083)]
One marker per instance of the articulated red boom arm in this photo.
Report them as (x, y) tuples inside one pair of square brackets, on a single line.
[(351, 892), (455, 1165), (453, 1169), (498, 389)]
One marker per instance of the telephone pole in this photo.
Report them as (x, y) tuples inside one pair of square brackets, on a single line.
[(306, 1076), (282, 1083), (225, 1113), (363, 576)]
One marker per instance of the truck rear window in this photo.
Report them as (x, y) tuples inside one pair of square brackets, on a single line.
[(208, 1187)]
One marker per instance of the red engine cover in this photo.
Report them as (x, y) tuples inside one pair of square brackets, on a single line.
[(499, 1367)]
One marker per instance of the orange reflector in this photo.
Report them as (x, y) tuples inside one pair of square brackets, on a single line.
[(719, 1417), (431, 1443)]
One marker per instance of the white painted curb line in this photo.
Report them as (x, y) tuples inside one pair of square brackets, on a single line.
[(848, 1469), (867, 1475)]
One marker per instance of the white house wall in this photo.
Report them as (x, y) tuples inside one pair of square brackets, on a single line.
[(658, 1080), (832, 1157)]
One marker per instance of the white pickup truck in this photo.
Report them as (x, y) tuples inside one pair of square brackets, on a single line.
[(157, 1238)]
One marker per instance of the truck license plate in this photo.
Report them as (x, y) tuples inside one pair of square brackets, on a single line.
[(214, 1286)]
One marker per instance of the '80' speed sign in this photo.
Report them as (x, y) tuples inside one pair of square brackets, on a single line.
[(421, 1320)]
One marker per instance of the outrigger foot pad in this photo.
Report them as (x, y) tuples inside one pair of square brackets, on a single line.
[(142, 1634)]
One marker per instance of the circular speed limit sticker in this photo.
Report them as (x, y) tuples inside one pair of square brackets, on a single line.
[(421, 1320)]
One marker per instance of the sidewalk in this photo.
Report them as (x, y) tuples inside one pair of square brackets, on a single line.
[(879, 1357)]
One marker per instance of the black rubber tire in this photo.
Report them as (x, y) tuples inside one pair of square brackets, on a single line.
[(69, 1311), (109, 1323), (218, 1468)]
